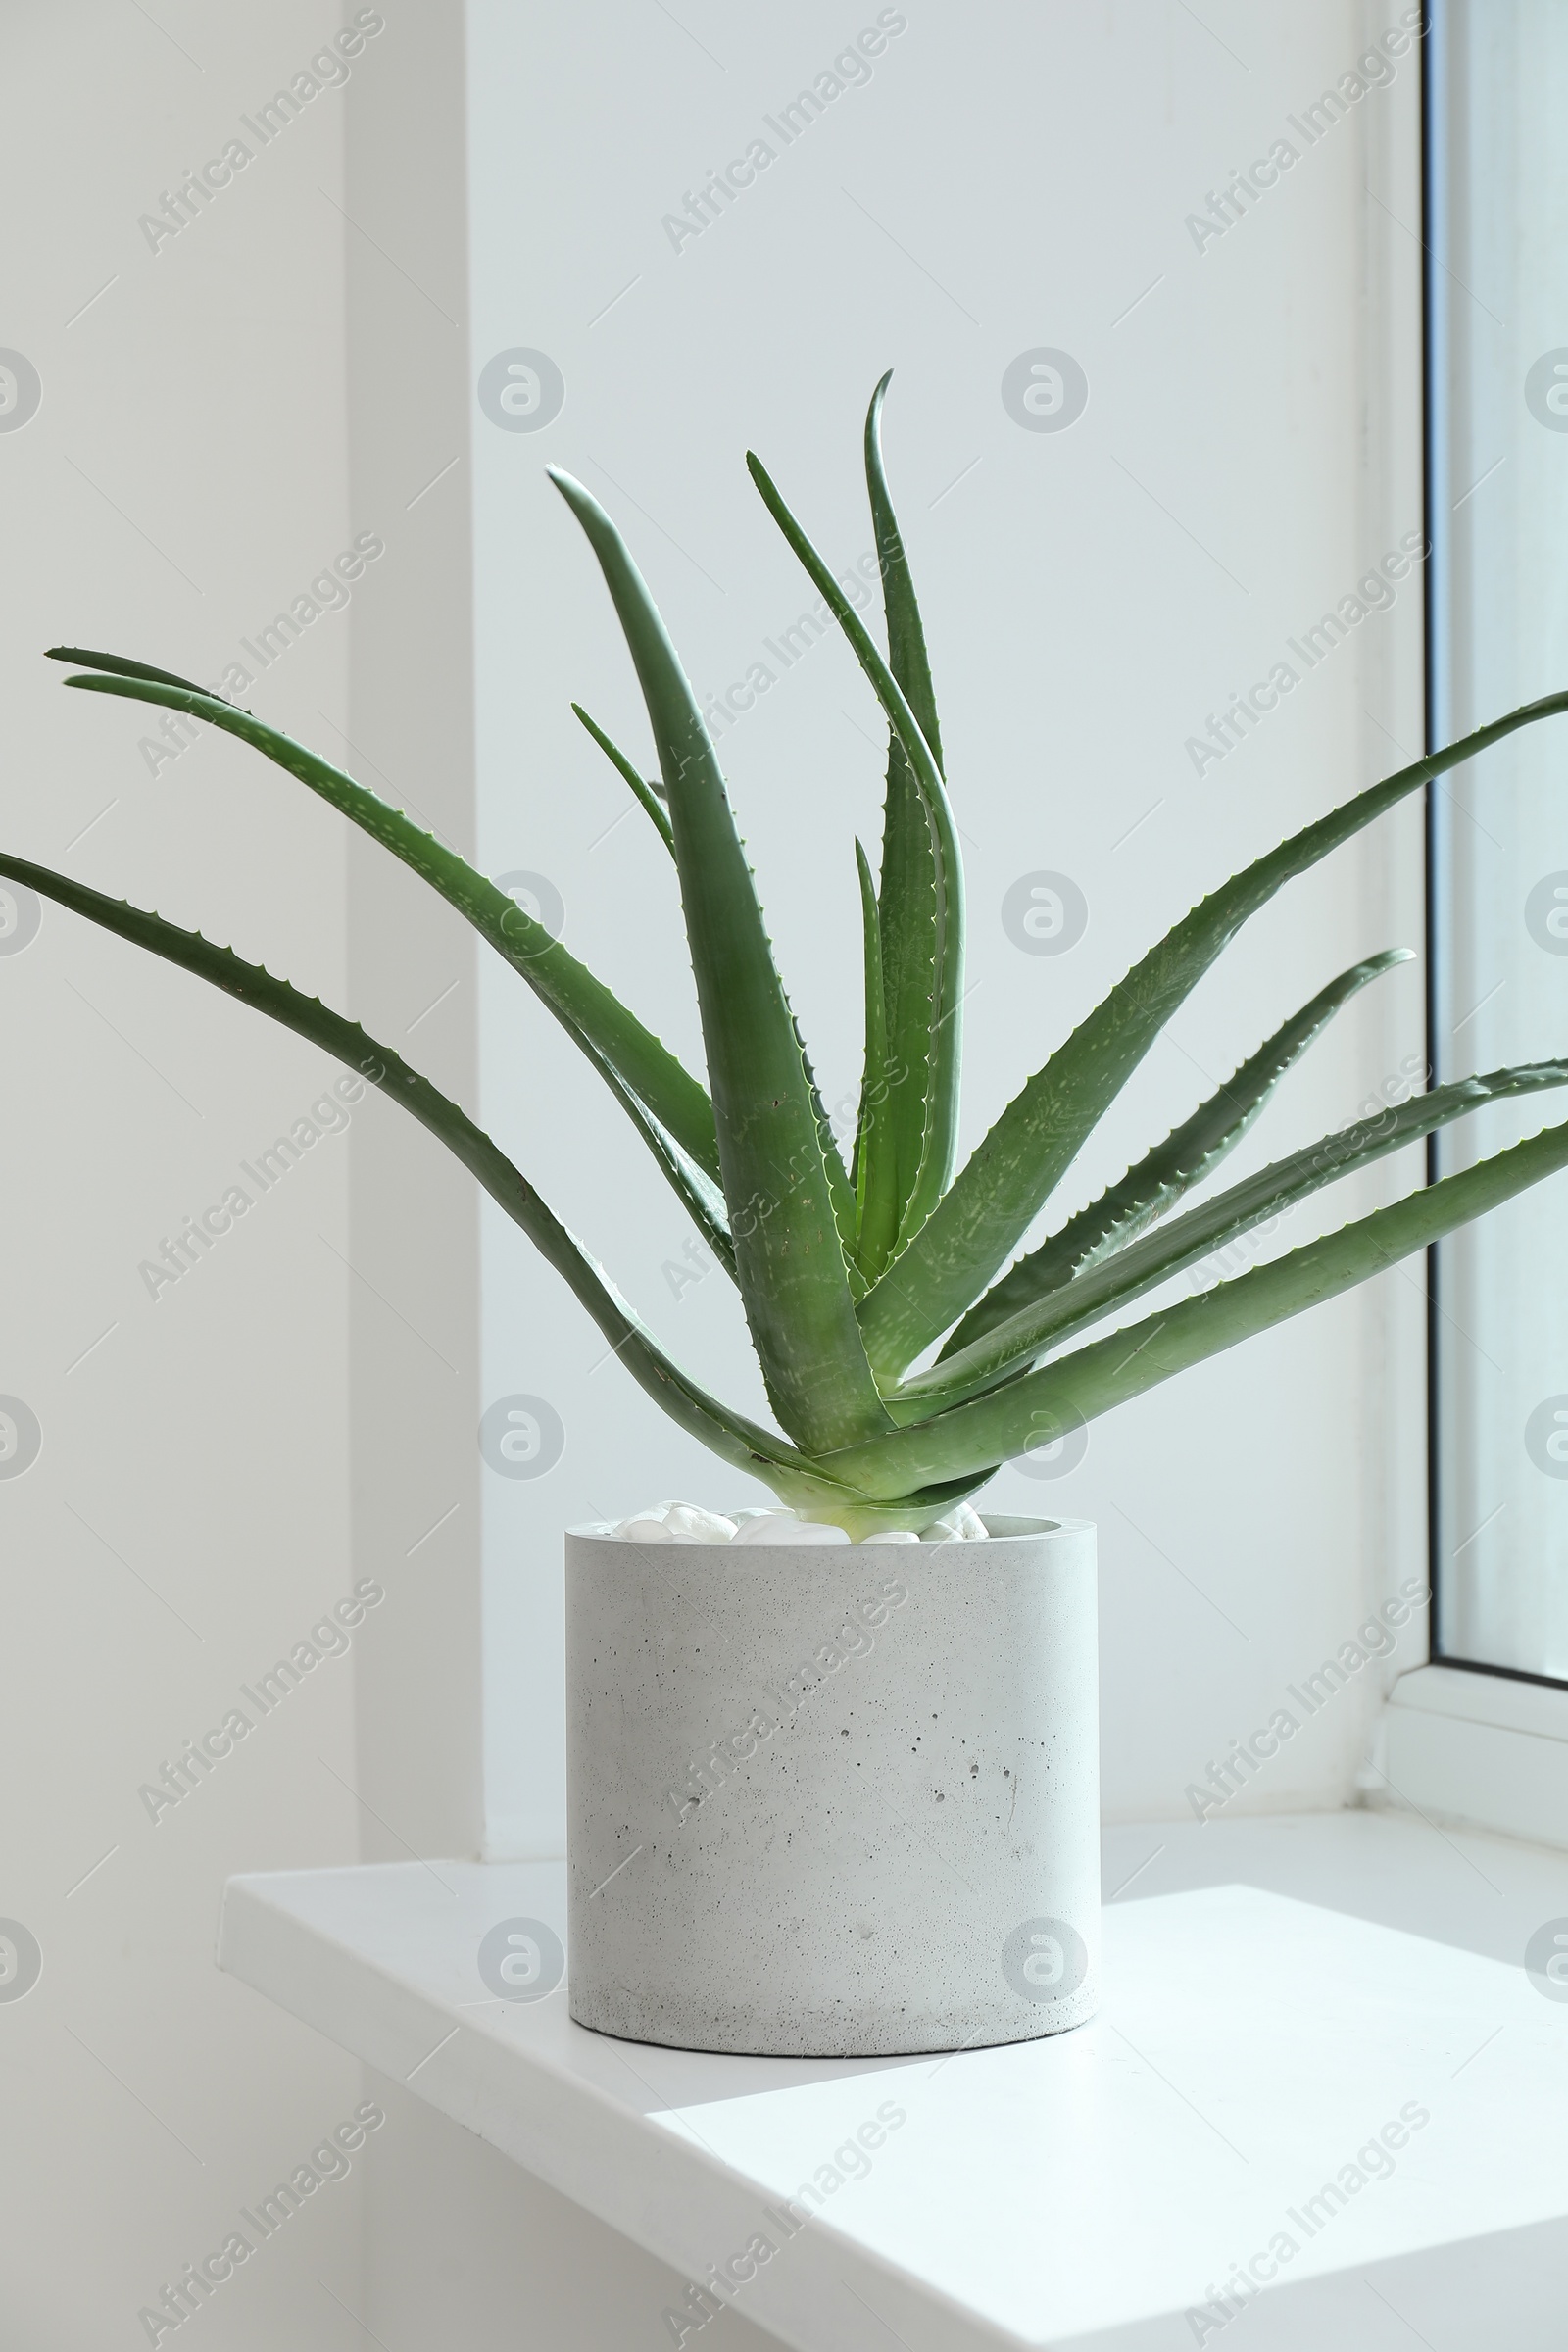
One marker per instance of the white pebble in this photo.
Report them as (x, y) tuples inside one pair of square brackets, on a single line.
[(783, 1527), (963, 1525), (689, 1522), (676, 1523)]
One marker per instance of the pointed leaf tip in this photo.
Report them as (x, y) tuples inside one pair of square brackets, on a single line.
[(578, 1001), (117, 666), (775, 1151)]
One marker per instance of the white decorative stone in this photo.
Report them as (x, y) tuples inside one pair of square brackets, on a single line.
[(689, 1522), (677, 1523), (823, 1806), (961, 1525), (782, 1527)]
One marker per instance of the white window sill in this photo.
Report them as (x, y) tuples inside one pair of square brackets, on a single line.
[(1482, 1748), (1090, 2190)]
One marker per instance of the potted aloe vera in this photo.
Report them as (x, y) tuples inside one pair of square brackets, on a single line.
[(832, 1768)]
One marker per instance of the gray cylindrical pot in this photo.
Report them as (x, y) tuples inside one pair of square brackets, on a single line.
[(834, 1801)]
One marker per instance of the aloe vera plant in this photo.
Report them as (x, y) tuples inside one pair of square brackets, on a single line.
[(849, 1274)]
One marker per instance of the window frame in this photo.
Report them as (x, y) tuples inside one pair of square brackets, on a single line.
[(1461, 1738)]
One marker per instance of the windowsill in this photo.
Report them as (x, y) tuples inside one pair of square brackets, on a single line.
[(1482, 1749), (1471, 1694), (1088, 2189)]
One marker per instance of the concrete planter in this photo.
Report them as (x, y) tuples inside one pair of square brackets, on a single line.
[(834, 1801)]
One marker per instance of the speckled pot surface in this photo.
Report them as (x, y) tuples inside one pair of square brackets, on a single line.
[(834, 1801)]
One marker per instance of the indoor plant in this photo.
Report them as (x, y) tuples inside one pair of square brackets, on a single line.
[(848, 1275)]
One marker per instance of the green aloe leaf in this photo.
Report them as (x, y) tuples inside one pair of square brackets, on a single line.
[(773, 1142), (874, 1170), (583, 1004), (729, 1435), (912, 894), (119, 665), (994, 1428), (922, 954), (650, 797), (907, 653), (1186, 1158), (997, 1195), (1114, 1282), (839, 1185)]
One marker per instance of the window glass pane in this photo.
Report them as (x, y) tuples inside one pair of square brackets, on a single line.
[(1498, 326)]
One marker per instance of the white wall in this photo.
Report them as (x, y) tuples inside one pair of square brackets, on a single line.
[(187, 1520)]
